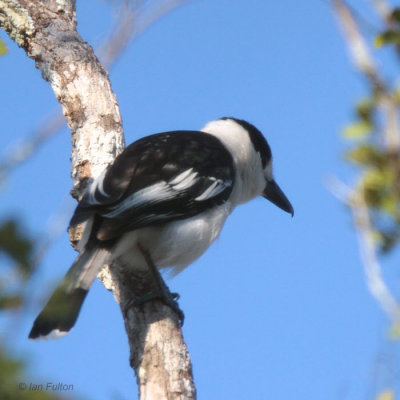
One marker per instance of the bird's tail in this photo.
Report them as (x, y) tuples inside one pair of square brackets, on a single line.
[(60, 313)]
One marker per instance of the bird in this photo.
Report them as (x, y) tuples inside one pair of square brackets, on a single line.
[(162, 202)]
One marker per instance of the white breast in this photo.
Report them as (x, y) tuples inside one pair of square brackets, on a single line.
[(176, 244)]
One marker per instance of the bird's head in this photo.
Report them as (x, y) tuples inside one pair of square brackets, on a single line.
[(253, 160)]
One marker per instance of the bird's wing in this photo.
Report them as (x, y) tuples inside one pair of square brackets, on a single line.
[(157, 179)]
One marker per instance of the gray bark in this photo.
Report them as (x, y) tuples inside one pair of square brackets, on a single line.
[(46, 30)]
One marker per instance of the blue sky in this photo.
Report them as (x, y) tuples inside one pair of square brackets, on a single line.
[(278, 307)]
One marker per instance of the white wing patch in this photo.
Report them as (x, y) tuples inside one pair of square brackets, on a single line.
[(157, 192), (97, 184), (160, 191), (179, 178), (213, 190), (163, 191), (185, 180)]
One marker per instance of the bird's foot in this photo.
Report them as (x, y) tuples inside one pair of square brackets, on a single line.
[(166, 297), (161, 291)]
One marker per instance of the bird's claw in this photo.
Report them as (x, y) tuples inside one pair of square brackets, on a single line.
[(167, 298)]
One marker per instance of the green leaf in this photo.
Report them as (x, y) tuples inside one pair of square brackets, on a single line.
[(394, 332), (396, 94), (365, 108), (387, 37), (374, 179), (390, 204), (376, 185), (387, 241), (358, 130), (3, 48), (387, 394), (16, 245), (13, 375), (10, 302), (365, 154), (395, 15)]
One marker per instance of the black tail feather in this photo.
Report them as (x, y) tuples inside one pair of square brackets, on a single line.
[(60, 313)]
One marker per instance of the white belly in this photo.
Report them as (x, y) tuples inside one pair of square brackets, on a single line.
[(176, 244)]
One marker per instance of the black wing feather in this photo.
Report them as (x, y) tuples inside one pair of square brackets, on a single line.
[(158, 160)]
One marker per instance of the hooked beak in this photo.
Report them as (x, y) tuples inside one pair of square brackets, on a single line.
[(274, 194)]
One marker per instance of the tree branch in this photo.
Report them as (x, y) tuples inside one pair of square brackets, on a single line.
[(129, 23), (46, 31)]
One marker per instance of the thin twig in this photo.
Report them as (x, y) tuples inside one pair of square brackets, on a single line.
[(372, 268), (365, 233), (20, 152), (382, 8), (363, 60), (358, 48), (132, 19)]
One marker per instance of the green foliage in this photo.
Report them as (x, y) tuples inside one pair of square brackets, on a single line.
[(365, 110), (358, 130), (3, 48), (387, 394), (365, 155), (392, 34), (364, 124), (388, 37), (17, 246), (8, 302), (11, 379), (378, 163), (395, 15), (18, 249), (379, 183)]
